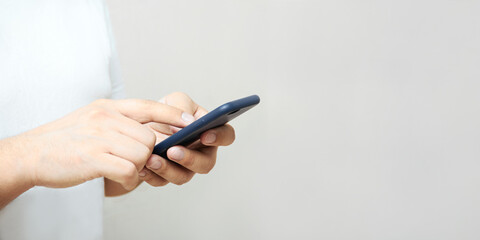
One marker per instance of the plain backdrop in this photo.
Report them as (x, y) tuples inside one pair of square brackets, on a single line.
[(369, 125)]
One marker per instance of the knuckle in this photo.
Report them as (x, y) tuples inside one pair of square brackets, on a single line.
[(97, 114), (148, 178), (208, 167), (188, 161), (129, 172), (152, 138), (183, 178), (178, 182), (138, 164), (140, 101), (101, 102), (94, 130), (163, 183), (179, 95), (143, 102), (158, 182), (145, 153)]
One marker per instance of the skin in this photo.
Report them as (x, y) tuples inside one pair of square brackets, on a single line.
[(200, 157), (111, 139)]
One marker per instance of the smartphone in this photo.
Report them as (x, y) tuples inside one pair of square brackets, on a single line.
[(213, 119)]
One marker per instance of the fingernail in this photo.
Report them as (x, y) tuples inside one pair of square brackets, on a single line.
[(154, 163), (176, 154), (210, 138), (142, 173), (188, 118)]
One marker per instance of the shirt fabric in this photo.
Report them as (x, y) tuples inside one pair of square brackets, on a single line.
[(55, 56)]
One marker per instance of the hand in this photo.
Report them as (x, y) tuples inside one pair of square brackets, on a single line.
[(103, 139), (199, 157)]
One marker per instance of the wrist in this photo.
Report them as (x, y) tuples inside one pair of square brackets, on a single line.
[(14, 156)]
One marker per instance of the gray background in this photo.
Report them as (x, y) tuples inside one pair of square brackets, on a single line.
[(368, 126)]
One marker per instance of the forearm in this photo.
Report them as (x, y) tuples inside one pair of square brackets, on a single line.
[(14, 180)]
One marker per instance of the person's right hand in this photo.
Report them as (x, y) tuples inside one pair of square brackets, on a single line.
[(103, 139)]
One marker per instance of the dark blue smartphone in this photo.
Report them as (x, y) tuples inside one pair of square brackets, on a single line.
[(213, 119)]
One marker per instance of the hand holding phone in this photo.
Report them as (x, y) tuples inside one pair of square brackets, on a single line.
[(213, 119)]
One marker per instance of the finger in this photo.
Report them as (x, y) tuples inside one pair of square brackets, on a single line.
[(181, 101), (128, 148), (200, 112), (161, 131), (135, 130), (184, 102), (196, 161), (174, 129), (220, 136), (113, 120), (118, 170), (151, 178), (161, 128), (169, 171), (144, 111)]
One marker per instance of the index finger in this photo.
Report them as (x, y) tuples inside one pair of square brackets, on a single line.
[(200, 112), (180, 100), (145, 111), (185, 103)]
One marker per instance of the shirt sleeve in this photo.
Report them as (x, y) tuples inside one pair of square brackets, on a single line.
[(118, 90)]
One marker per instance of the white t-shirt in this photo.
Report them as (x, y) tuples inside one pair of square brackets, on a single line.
[(55, 56)]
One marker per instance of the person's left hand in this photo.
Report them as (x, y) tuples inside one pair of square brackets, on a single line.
[(199, 157)]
